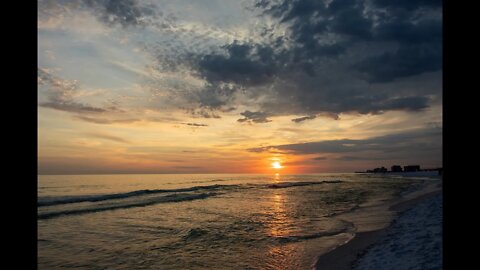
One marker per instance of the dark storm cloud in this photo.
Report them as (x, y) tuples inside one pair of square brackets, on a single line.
[(123, 12), (406, 61), (319, 30), (418, 37), (426, 140), (408, 103), (353, 21), (409, 32), (329, 58), (244, 64), (407, 4), (255, 117), (111, 12)]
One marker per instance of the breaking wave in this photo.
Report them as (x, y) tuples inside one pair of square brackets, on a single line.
[(124, 205), (50, 201), (300, 184), (50, 207)]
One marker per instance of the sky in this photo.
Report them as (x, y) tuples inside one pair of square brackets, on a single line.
[(232, 86)]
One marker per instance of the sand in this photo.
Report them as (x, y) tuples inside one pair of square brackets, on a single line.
[(414, 241), (367, 249)]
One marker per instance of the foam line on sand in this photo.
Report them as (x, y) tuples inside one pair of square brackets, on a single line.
[(344, 257)]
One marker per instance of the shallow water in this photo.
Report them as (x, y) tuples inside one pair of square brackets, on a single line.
[(203, 221)]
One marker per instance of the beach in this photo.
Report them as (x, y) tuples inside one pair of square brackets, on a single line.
[(413, 240)]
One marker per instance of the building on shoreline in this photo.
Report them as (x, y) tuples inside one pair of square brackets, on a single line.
[(411, 168), (397, 168), (406, 169)]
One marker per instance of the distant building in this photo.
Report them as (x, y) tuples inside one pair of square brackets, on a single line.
[(380, 170), (411, 168), (397, 168)]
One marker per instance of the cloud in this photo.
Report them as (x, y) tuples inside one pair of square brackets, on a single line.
[(301, 119), (406, 4), (213, 96), (312, 58), (406, 61), (243, 63), (187, 167), (408, 103), (104, 121), (328, 61), (111, 12), (203, 112), (109, 137), (195, 124), (70, 106), (255, 117), (320, 158), (362, 157), (417, 141), (61, 88), (350, 158), (61, 95)]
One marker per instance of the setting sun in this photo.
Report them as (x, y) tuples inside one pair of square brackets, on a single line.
[(276, 165)]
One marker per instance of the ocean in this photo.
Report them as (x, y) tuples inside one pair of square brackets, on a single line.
[(207, 221)]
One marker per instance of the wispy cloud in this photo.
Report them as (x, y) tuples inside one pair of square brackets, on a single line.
[(70, 106), (301, 119), (195, 124), (61, 95), (108, 137), (105, 121)]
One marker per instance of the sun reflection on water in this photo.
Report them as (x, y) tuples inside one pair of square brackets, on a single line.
[(281, 254), (279, 217)]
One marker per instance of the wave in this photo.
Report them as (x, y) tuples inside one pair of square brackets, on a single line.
[(348, 227), (289, 239), (299, 184), (209, 181), (150, 201), (194, 233), (51, 201)]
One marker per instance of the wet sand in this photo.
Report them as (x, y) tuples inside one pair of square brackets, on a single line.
[(343, 257)]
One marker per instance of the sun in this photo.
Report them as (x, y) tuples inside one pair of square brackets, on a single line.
[(277, 165)]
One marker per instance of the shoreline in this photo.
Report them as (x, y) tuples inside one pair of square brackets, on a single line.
[(344, 256)]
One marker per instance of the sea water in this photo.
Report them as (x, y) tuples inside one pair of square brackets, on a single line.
[(206, 221)]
